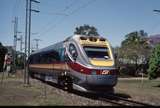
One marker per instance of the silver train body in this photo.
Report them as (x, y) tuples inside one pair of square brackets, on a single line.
[(83, 63)]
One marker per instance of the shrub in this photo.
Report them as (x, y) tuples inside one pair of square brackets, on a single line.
[(154, 63)]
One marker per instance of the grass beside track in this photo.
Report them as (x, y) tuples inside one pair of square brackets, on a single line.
[(13, 92), (147, 91)]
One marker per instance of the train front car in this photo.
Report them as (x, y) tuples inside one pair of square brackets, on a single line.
[(92, 67)]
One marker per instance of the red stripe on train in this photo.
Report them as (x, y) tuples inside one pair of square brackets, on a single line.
[(79, 68)]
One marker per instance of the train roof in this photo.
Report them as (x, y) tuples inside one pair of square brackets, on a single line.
[(49, 48), (60, 44)]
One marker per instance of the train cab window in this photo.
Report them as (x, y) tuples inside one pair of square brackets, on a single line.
[(73, 51), (97, 52)]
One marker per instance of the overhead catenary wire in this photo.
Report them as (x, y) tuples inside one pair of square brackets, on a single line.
[(69, 6), (62, 13), (84, 5), (15, 9)]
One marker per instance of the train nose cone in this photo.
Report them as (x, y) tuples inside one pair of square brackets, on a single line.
[(105, 80)]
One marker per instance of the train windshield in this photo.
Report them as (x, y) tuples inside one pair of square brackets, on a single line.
[(97, 52)]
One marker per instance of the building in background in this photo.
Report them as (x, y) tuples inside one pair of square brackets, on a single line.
[(153, 40)]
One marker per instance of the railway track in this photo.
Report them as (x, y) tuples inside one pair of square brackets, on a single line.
[(114, 99), (121, 101)]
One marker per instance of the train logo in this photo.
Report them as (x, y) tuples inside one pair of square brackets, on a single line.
[(105, 72)]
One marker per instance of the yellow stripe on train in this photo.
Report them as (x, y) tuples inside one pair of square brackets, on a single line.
[(92, 43), (102, 63)]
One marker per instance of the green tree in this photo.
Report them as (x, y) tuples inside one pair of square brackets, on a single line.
[(154, 63), (86, 30), (3, 51), (134, 50)]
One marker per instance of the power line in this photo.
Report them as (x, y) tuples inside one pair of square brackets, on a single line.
[(73, 12), (16, 7), (56, 13), (52, 27), (50, 24), (83, 6), (62, 11), (69, 6)]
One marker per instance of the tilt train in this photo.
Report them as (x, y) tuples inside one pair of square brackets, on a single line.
[(83, 63)]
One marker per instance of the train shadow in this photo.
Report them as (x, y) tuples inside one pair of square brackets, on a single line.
[(114, 98), (95, 95), (100, 95), (111, 97)]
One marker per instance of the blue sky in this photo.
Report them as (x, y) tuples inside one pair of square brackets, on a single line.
[(113, 18)]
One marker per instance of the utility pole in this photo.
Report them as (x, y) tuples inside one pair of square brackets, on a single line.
[(15, 43), (30, 10), (28, 25), (25, 43), (37, 40), (21, 42)]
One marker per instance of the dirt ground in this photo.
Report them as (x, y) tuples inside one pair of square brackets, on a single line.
[(13, 92)]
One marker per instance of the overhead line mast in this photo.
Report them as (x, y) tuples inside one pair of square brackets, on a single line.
[(28, 34), (15, 42), (37, 40)]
